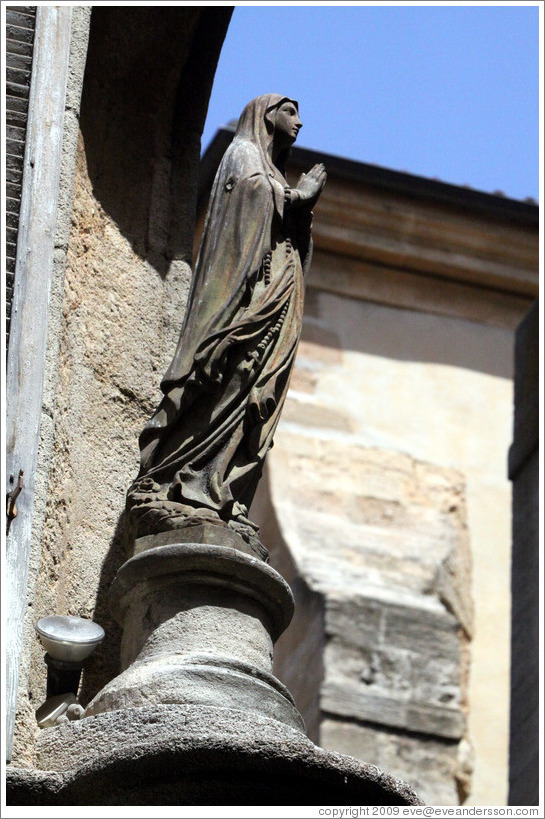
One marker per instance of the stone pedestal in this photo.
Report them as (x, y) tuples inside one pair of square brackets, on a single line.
[(199, 623), (196, 717)]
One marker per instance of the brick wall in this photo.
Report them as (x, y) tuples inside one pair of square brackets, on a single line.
[(20, 25)]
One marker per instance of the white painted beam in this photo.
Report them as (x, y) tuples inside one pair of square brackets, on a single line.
[(30, 314)]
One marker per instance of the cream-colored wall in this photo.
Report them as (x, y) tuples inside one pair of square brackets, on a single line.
[(440, 390)]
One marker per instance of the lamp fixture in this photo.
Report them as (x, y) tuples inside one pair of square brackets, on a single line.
[(68, 641)]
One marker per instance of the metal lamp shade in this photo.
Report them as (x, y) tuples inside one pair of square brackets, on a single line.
[(67, 638)]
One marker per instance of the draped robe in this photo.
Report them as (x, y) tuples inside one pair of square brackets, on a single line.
[(205, 445)]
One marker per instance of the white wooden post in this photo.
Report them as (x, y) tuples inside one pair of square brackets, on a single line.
[(30, 314)]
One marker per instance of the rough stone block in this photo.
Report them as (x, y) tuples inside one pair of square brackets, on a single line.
[(432, 765), (393, 665)]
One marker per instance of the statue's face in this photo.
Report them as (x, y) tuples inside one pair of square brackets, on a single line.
[(286, 124)]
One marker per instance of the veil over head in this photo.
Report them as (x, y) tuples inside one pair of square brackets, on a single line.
[(250, 125), (247, 185)]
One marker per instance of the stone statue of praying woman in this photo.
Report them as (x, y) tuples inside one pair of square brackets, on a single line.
[(202, 452)]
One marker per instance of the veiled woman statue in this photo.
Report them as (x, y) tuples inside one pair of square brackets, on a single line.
[(203, 450)]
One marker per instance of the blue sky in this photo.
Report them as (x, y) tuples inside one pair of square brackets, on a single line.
[(443, 91)]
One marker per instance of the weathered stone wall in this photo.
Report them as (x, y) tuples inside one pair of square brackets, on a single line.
[(382, 541), (148, 77), (109, 366)]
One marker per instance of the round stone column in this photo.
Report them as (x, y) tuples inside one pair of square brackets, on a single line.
[(196, 717), (199, 622)]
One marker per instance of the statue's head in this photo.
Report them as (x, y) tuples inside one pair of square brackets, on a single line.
[(270, 118), (286, 123)]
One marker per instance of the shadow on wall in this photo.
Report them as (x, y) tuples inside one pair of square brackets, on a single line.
[(299, 652), (147, 84), (145, 97), (103, 664)]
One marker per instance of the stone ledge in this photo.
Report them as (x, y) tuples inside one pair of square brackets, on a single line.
[(179, 755)]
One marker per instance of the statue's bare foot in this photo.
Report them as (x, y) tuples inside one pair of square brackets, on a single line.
[(239, 514), (247, 529)]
